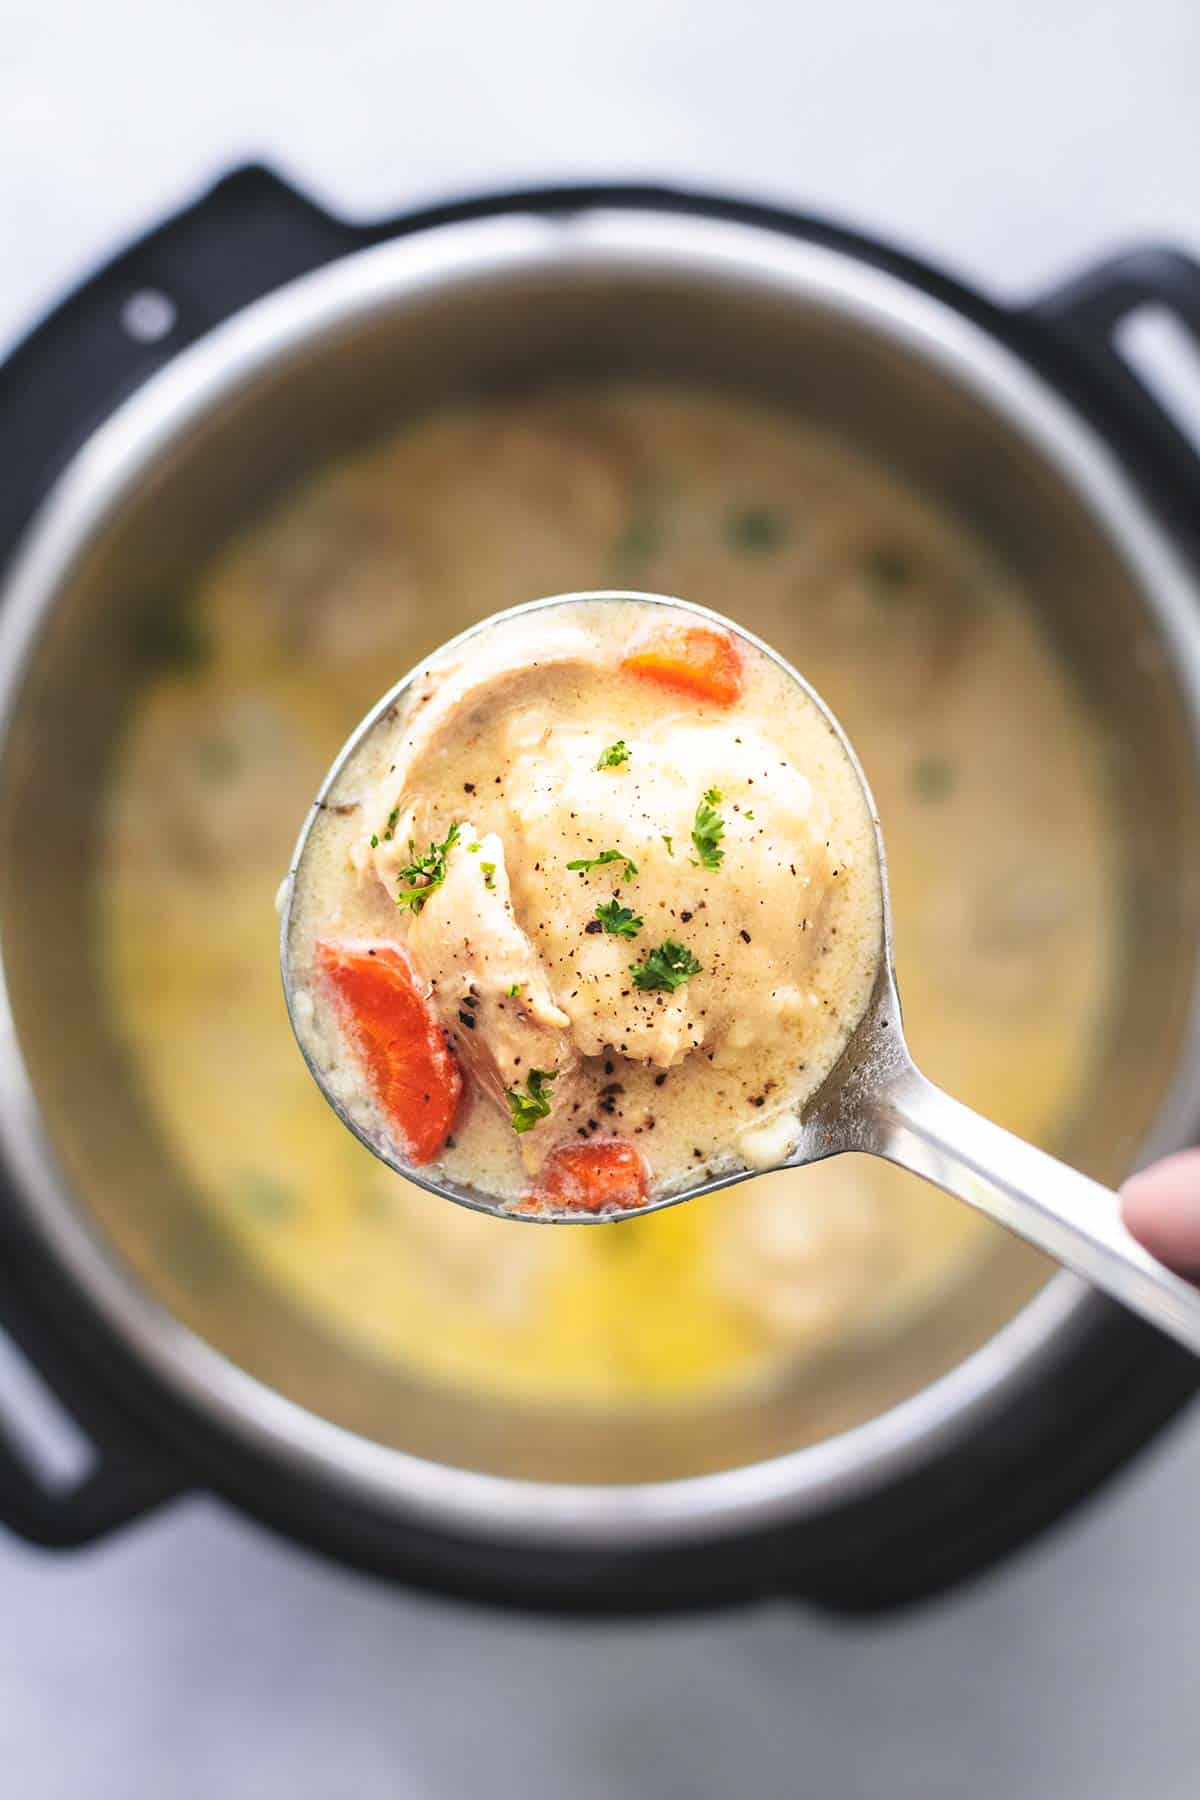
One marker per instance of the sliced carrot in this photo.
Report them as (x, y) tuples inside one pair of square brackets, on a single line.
[(413, 1073), (606, 1177), (695, 659)]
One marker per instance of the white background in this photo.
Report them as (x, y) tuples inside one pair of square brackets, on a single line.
[(195, 1657)]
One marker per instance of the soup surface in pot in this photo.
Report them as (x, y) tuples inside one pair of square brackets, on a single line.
[(984, 762)]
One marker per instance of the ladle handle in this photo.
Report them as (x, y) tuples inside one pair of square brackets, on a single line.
[(1053, 1207)]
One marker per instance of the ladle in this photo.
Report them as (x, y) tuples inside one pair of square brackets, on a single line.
[(875, 1100)]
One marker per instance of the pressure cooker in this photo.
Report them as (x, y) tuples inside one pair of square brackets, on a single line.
[(244, 343)]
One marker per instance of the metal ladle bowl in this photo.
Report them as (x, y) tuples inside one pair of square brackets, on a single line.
[(874, 1100)]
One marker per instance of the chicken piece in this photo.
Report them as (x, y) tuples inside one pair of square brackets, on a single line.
[(491, 989), (452, 701), (750, 919)]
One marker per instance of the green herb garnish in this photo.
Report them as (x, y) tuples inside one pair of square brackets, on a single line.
[(514, 990), (614, 756), (708, 831), (889, 571), (424, 872), (756, 529), (489, 874), (618, 920), (534, 1104), (670, 846), (642, 536), (389, 830), (664, 969), (263, 1196), (582, 864), (933, 777), (168, 635)]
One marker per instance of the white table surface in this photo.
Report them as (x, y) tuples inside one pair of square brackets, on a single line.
[(195, 1656)]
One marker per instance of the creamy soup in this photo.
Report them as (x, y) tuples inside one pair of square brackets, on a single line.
[(982, 757), (609, 863)]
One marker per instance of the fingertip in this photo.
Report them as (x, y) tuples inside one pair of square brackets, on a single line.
[(1161, 1207)]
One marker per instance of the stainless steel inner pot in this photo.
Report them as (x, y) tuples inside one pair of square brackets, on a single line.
[(356, 349)]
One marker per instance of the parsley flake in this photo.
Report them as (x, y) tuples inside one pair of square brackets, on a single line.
[(618, 920), (489, 874), (514, 990), (708, 831), (582, 864), (670, 846), (614, 756), (757, 530), (425, 872), (933, 777), (664, 969), (534, 1104)]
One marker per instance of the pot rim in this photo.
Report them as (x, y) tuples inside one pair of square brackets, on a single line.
[(89, 492)]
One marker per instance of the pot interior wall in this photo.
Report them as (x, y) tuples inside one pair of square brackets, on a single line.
[(344, 387)]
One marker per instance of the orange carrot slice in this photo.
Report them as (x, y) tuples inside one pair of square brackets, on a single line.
[(606, 1177), (695, 659), (412, 1071)]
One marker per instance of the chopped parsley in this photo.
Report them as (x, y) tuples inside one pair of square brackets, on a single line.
[(708, 831), (514, 990), (889, 571), (426, 871), (664, 969), (642, 536), (489, 874), (582, 864), (756, 529), (389, 830), (618, 920), (933, 777), (614, 756), (169, 635), (264, 1196), (534, 1104), (670, 846)]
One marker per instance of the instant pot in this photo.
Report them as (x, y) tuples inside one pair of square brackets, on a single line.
[(248, 340)]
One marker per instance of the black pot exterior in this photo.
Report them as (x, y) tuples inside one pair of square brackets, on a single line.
[(1115, 1382)]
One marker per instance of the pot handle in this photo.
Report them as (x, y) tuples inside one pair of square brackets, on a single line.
[(1087, 310), (248, 235), (128, 1474)]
